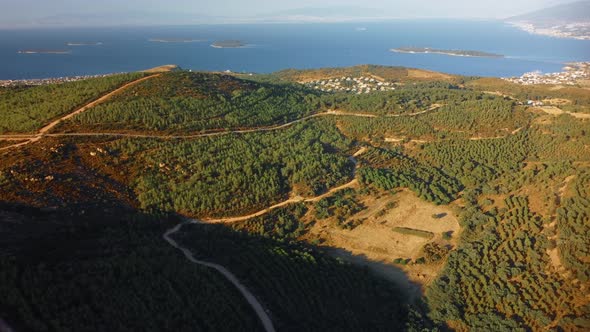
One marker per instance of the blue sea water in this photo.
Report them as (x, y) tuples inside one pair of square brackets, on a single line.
[(273, 47)]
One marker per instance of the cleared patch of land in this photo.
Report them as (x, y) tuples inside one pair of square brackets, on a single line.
[(377, 240), (552, 110), (161, 69)]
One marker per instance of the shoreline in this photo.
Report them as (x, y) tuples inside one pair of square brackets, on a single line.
[(493, 56), (50, 80), (548, 32)]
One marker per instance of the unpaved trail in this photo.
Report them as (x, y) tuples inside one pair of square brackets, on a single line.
[(298, 199), (254, 303), (44, 132), (514, 132), (432, 108), (45, 129)]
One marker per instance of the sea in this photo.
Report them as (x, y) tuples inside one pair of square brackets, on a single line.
[(274, 47)]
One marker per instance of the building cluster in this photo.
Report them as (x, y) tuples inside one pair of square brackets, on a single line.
[(45, 81), (575, 30), (356, 85), (570, 75)]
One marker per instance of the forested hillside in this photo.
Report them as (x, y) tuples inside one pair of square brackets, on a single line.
[(447, 203), (26, 109)]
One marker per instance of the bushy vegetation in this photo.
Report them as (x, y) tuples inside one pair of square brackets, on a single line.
[(462, 113), (281, 224), (474, 163), (304, 289), (234, 174), (428, 182), (521, 261), (402, 101), (183, 101), (573, 226), (27, 109), (502, 269), (342, 205), (109, 272)]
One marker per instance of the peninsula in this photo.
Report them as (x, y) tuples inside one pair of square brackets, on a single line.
[(428, 50), (228, 44)]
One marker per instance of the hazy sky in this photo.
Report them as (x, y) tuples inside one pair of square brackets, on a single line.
[(22, 13)]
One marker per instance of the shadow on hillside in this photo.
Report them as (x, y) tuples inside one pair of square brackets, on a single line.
[(387, 271)]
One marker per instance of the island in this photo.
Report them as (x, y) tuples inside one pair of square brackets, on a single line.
[(44, 52), (84, 44), (174, 40), (428, 50), (228, 44)]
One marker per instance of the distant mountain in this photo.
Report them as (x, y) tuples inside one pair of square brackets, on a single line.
[(325, 14), (565, 13), (330, 11), (121, 18), (571, 20)]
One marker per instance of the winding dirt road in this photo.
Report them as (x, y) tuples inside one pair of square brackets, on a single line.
[(297, 199), (44, 130), (254, 303)]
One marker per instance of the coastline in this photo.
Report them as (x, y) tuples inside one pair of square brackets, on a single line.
[(497, 56), (548, 32)]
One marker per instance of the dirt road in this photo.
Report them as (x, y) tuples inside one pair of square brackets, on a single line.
[(298, 199), (43, 131), (254, 303)]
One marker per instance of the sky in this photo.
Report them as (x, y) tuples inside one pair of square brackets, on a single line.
[(35, 13)]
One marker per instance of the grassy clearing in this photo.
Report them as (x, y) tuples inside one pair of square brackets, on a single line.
[(415, 232)]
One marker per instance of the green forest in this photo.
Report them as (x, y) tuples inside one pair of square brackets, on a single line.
[(83, 211), (189, 102), (234, 174), (26, 109)]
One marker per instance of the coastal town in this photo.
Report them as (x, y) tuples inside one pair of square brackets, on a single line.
[(571, 75), (45, 81), (573, 30), (356, 85)]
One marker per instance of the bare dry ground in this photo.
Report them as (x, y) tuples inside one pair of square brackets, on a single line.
[(161, 69), (558, 111), (375, 241), (426, 74)]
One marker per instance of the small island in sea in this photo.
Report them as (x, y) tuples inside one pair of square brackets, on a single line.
[(228, 44), (428, 50), (44, 52), (174, 40), (84, 44)]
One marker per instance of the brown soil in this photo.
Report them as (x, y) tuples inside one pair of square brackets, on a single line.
[(375, 241), (558, 111)]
